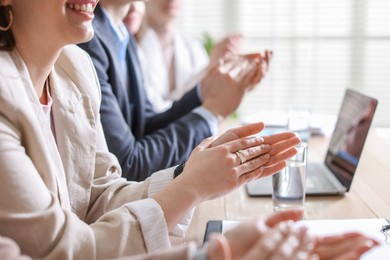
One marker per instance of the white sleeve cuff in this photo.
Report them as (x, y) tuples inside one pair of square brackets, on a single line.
[(211, 120), (180, 229), (159, 181), (152, 222)]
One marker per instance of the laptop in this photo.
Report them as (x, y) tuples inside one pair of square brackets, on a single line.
[(334, 175)]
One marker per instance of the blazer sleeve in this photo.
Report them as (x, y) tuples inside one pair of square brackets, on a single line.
[(170, 137), (122, 220)]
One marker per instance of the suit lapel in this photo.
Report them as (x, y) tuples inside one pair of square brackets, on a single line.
[(137, 88), (134, 89), (108, 38)]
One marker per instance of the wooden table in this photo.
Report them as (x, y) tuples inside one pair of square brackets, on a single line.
[(369, 196)]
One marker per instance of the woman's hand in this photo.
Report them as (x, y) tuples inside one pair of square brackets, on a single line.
[(215, 168), (349, 246), (273, 238), (281, 145)]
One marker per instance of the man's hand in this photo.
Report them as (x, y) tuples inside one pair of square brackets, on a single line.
[(225, 85), (229, 46)]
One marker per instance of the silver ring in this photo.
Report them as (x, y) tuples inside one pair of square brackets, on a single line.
[(241, 155)]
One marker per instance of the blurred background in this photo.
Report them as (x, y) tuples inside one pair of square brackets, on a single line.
[(321, 47)]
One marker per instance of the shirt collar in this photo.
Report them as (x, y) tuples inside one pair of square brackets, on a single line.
[(121, 32)]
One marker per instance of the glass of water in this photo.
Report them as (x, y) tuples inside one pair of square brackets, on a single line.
[(289, 184)]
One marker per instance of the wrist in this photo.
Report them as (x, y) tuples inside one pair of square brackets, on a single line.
[(179, 169), (219, 116)]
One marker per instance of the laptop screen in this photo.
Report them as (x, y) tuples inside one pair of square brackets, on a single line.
[(351, 130)]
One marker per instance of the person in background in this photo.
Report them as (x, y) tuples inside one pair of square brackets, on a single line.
[(145, 141), (172, 63), (61, 192)]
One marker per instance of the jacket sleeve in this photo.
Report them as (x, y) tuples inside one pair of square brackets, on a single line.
[(170, 137), (122, 220)]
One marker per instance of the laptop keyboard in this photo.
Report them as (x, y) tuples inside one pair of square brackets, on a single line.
[(316, 177)]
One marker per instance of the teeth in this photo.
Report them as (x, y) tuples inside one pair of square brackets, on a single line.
[(82, 7), (89, 8)]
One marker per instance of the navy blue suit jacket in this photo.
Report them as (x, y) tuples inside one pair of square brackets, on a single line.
[(143, 141)]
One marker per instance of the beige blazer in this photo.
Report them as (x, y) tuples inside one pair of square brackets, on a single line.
[(61, 196)]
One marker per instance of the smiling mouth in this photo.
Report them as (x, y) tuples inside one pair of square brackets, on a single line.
[(87, 8)]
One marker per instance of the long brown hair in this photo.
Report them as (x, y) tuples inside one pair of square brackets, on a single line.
[(7, 40)]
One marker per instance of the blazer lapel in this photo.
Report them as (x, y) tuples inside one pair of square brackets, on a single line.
[(75, 130), (38, 140)]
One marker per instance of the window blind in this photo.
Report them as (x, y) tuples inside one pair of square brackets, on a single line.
[(321, 48)]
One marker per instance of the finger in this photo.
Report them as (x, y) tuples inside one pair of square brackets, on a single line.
[(239, 132), (272, 169), (225, 66), (254, 152), (339, 245), (268, 56), (290, 242), (245, 236), (250, 176), (281, 156), (255, 80), (236, 71), (267, 245), (250, 74), (275, 138), (219, 248), (249, 129), (245, 143), (241, 69), (252, 56), (291, 214), (279, 242), (334, 239), (261, 70), (284, 145), (360, 248), (246, 66), (306, 243)]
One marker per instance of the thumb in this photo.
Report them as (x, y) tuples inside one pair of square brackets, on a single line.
[(219, 248)]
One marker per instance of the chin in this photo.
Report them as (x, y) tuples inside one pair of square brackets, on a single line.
[(85, 36)]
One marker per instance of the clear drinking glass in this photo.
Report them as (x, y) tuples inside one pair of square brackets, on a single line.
[(289, 184)]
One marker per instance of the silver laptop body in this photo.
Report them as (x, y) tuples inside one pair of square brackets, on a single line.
[(334, 175)]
